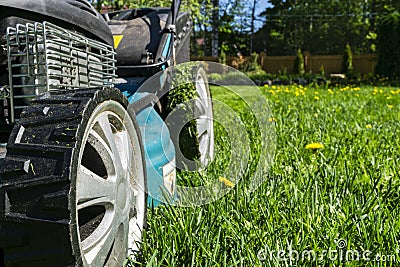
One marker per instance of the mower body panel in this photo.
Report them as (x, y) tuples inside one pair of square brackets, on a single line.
[(158, 148)]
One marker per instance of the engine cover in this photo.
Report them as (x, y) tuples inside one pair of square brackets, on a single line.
[(76, 15)]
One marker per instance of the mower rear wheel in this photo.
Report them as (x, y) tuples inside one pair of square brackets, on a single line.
[(190, 118), (204, 121)]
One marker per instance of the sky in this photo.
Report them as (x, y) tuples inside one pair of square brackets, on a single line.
[(261, 6)]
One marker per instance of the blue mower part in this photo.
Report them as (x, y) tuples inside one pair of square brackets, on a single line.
[(158, 147)]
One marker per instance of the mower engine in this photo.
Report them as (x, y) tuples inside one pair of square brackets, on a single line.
[(48, 46), (44, 57)]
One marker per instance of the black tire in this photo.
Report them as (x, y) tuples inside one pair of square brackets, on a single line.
[(42, 222)]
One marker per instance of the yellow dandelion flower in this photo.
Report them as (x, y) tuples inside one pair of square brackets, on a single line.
[(226, 182), (273, 119), (316, 97), (314, 146), (368, 126), (390, 106)]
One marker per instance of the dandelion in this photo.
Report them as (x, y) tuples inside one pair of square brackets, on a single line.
[(226, 182), (273, 119), (314, 146), (368, 126), (316, 97), (390, 106)]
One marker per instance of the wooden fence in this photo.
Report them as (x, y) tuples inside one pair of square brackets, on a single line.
[(362, 64)]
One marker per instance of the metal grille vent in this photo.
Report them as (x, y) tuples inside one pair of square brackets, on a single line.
[(53, 58), (44, 57)]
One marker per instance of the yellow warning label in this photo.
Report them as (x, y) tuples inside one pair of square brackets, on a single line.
[(117, 40)]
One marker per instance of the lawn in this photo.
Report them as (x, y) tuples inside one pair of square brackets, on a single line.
[(339, 204)]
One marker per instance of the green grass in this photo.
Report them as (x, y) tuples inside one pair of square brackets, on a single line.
[(348, 190)]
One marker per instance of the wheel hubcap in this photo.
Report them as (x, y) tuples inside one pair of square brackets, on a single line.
[(205, 124), (107, 188)]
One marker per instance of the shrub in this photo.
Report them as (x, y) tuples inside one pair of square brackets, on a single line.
[(253, 63), (353, 77), (299, 63), (259, 75), (215, 77), (222, 57), (347, 59), (234, 76), (322, 70)]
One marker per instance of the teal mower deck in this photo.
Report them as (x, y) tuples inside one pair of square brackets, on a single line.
[(85, 147)]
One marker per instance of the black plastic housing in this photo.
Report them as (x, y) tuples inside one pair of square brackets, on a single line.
[(141, 30), (144, 31), (76, 15)]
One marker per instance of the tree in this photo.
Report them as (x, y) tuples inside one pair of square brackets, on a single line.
[(215, 28), (253, 18), (323, 26), (388, 46)]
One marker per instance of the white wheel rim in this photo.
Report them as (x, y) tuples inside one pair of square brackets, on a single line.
[(110, 200), (205, 124)]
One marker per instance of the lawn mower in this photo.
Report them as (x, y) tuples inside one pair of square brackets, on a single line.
[(87, 150)]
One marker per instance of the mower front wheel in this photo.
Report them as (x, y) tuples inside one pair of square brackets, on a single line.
[(73, 183)]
